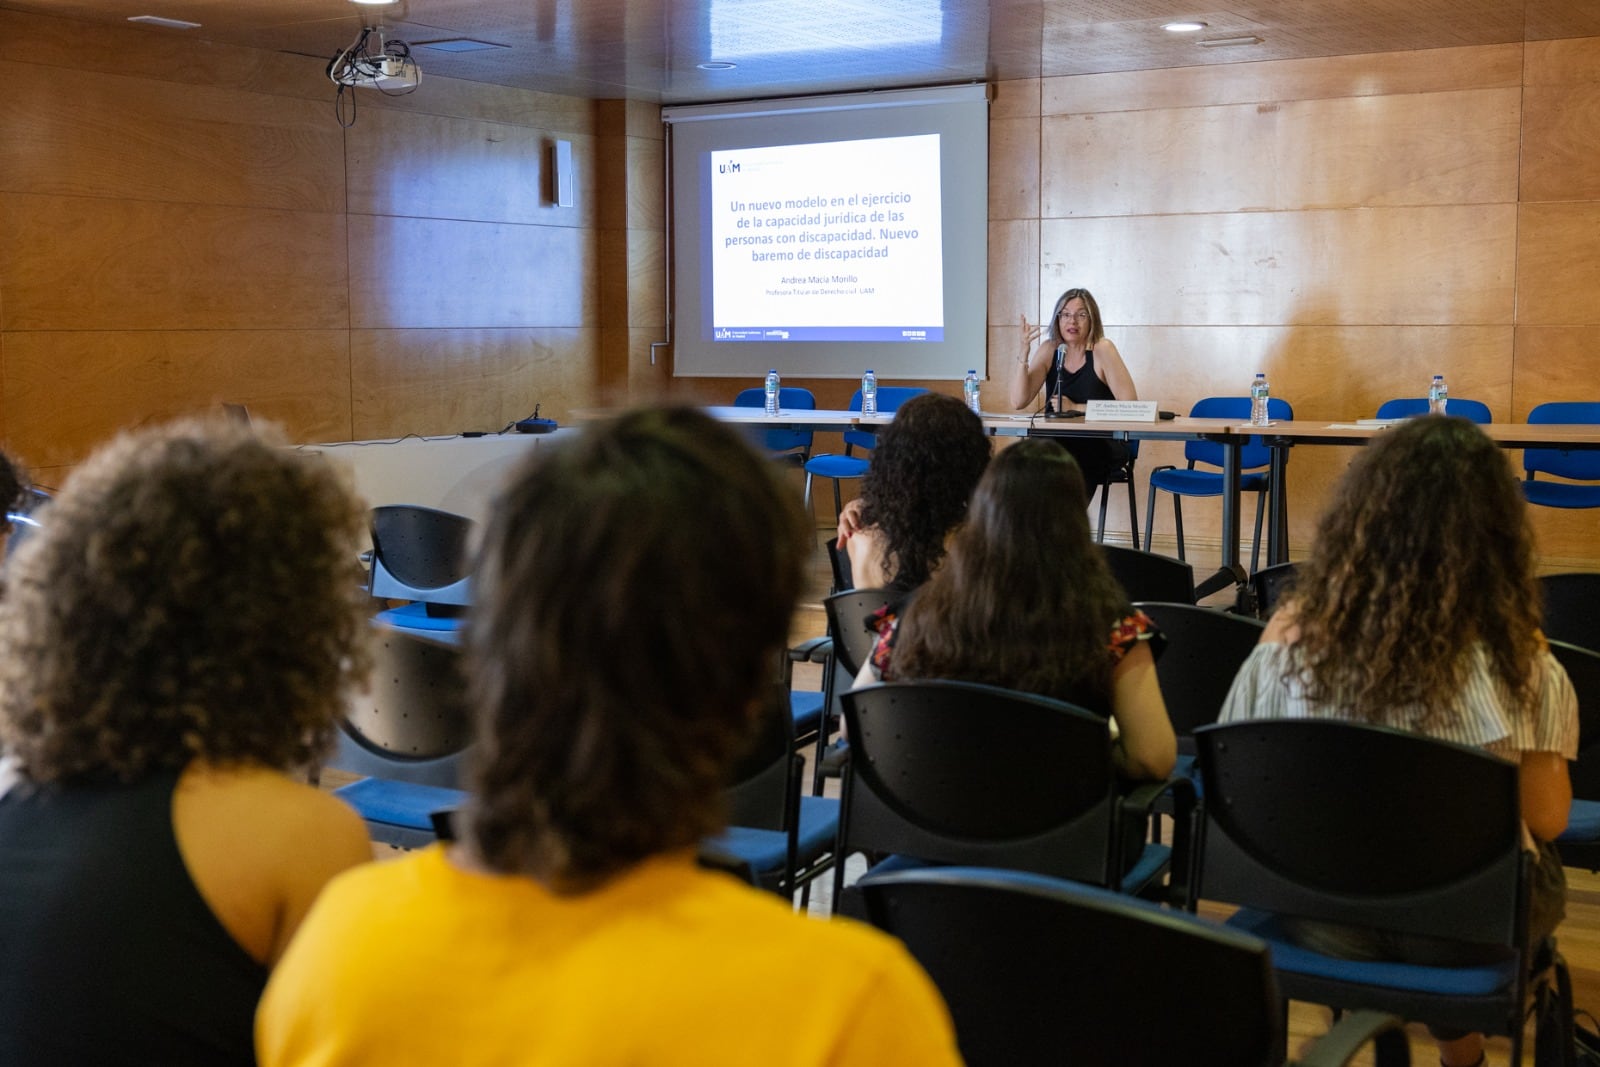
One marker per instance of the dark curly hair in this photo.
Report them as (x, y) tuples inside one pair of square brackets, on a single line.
[(1025, 599), (1423, 554), (194, 595), (922, 475), (637, 585)]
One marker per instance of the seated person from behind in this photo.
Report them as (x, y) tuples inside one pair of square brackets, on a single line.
[(1419, 610), (914, 494), (178, 637), (618, 667), (1026, 601)]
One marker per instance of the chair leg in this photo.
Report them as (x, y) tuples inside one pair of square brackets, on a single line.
[(1105, 494), (1255, 549), (1133, 511), (809, 516), (1149, 519), (838, 501), (1177, 519)]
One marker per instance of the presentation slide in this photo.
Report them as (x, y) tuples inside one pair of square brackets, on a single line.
[(832, 241)]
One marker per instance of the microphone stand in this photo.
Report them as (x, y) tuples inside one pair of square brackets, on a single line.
[(1053, 407)]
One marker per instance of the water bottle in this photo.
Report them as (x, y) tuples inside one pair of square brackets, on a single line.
[(772, 391), (1438, 395), (969, 389), (1259, 391), (869, 393)]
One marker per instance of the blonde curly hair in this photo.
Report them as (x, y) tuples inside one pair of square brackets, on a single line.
[(193, 594)]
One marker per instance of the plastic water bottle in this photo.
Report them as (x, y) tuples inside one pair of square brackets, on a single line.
[(772, 391), (1438, 395), (969, 389), (869, 393), (1259, 391)]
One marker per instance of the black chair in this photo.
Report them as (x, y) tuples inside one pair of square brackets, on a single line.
[(26, 515), (1037, 970), (1579, 844), (409, 735), (1370, 827), (850, 642), (1122, 475), (1572, 608), (1269, 584), (784, 839), (1148, 576), (948, 772), (420, 554), (1205, 649)]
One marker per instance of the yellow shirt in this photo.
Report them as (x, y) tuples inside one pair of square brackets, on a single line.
[(416, 961)]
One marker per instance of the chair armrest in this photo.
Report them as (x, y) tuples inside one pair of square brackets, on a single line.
[(1164, 467), (814, 650), (1340, 1045), (1183, 886)]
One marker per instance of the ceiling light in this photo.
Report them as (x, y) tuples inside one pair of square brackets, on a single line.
[(716, 64), (1229, 42), (171, 24), (375, 3), (1184, 27)]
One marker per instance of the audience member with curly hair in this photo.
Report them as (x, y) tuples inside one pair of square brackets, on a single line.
[(1419, 610), (179, 636), (914, 494), (1025, 600), (619, 668)]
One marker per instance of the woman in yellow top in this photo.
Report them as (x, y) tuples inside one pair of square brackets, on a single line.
[(638, 586)]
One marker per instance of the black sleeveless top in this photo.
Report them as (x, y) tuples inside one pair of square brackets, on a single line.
[(108, 953), (1079, 386)]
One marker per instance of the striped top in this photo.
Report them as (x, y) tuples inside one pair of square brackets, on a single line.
[(1487, 713)]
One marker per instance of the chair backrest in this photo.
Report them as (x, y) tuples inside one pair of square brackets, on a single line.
[(1580, 465), (790, 398), (1405, 407), (414, 724), (1205, 648), (1362, 825), (849, 614), (1150, 576), (1270, 584), (760, 783), (890, 397), (1570, 613), (25, 516), (421, 553), (1583, 668), (1255, 453), (1036, 970), (956, 772)]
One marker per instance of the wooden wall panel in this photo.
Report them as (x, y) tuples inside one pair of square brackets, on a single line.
[(1459, 148), (1567, 62), (67, 391), (446, 381), (69, 132), (78, 263), (1013, 168), (647, 267), (1555, 363), (1561, 126), (431, 166), (434, 273), (1381, 74), (1558, 272), (1381, 265)]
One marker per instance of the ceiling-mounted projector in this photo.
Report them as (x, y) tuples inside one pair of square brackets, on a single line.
[(375, 63)]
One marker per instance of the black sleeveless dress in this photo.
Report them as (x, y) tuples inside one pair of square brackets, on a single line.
[(1098, 459)]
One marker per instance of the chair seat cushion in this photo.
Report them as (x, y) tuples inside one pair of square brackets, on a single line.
[(1561, 494), (1583, 822), (830, 465), (806, 707), (1202, 483), (415, 617), (766, 851), (1481, 980), (383, 800)]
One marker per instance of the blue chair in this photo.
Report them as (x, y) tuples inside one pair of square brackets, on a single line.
[(849, 465), (1037, 970), (409, 735), (1578, 466), (1579, 844), (1425, 841), (1187, 481), (787, 446), (1405, 407)]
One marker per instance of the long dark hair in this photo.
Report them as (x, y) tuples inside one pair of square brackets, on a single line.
[(1423, 554), (1025, 598)]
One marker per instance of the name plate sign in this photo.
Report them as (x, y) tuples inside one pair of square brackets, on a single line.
[(1121, 411)]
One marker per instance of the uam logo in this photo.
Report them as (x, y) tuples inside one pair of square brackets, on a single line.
[(727, 168), (723, 335)]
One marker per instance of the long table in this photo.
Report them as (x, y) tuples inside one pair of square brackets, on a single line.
[(1281, 436)]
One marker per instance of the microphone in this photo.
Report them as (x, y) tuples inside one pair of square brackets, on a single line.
[(1055, 405)]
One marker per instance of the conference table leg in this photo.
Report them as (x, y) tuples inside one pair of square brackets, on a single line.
[(1278, 505), (1230, 572)]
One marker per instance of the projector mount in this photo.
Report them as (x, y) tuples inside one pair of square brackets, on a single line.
[(373, 62)]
